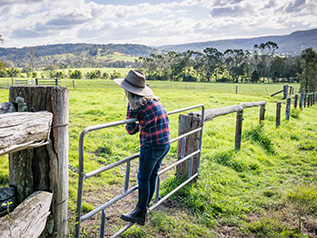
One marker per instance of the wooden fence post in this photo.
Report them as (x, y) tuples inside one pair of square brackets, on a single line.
[(301, 99), (46, 167), (295, 101), (262, 113), (278, 113), (238, 130), (288, 108), (305, 99), (187, 123), (285, 91)]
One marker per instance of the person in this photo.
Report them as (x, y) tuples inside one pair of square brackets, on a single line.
[(153, 125)]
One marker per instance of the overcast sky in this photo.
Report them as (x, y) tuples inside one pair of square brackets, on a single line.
[(152, 23)]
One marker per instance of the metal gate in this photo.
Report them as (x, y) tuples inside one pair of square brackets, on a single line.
[(82, 175)]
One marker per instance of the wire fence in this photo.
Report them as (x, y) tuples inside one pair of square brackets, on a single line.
[(234, 88)]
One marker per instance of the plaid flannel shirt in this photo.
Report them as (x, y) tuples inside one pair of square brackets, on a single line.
[(154, 122)]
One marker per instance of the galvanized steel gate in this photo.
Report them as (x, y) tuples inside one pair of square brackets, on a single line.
[(82, 175)]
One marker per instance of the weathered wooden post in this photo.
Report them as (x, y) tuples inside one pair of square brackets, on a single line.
[(305, 99), (285, 91), (44, 168), (290, 90), (295, 101), (278, 113), (189, 145), (288, 108), (262, 113), (238, 130), (301, 101)]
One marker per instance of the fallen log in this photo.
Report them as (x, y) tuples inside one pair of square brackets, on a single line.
[(22, 130), (28, 220)]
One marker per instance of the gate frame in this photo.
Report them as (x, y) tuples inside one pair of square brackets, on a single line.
[(82, 175)]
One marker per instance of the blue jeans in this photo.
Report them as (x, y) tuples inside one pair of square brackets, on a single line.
[(149, 164)]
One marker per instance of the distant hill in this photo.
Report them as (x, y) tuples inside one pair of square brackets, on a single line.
[(75, 55), (293, 43), (124, 55)]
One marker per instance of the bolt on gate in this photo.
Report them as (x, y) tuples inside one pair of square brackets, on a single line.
[(82, 175)]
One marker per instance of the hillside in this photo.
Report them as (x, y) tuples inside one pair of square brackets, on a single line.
[(293, 43), (75, 55), (124, 55)]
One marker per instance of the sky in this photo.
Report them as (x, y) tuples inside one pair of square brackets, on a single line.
[(152, 23)]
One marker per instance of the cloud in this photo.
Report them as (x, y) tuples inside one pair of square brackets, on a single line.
[(167, 22), (234, 11), (294, 6)]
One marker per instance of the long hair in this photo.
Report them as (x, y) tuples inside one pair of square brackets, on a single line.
[(135, 101)]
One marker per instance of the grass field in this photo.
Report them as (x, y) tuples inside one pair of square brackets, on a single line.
[(267, 189)]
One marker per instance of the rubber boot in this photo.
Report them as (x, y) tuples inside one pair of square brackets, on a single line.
[(138, 216)]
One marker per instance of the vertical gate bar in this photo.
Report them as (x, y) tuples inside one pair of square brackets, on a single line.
[(201, 136), (80, 181), (157, 193), (183, 147), (102, 223), (190, 169), (127, 176)]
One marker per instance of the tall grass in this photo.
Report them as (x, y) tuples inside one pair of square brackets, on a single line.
[(250, 190)]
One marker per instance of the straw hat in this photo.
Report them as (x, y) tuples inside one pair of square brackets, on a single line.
[(134, 82)]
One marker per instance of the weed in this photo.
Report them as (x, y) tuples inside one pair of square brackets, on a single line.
[(86, 207), (295, 113), (258, 135)]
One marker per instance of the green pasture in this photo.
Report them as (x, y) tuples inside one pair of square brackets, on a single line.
[(267, 189)]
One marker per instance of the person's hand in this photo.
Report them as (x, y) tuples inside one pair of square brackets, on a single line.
[(157, 98)]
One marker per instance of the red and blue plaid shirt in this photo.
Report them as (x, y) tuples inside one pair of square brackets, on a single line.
[(154, 122)]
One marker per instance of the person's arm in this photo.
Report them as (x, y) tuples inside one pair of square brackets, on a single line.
[(134, 127)]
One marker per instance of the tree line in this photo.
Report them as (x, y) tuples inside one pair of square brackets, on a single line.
[(211, 65), (233, 65)]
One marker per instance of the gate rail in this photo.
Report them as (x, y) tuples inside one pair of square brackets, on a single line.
[(82, 175)]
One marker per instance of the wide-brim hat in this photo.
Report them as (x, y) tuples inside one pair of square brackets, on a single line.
[(135, 83)]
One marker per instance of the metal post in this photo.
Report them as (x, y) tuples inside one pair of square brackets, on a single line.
[(56, 82), (102, 223), (190, 169), (288, 108), (236, 89), (127, 176), (157, 194), (36, 81), (238, 130), (73, 83), (278, 113)]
